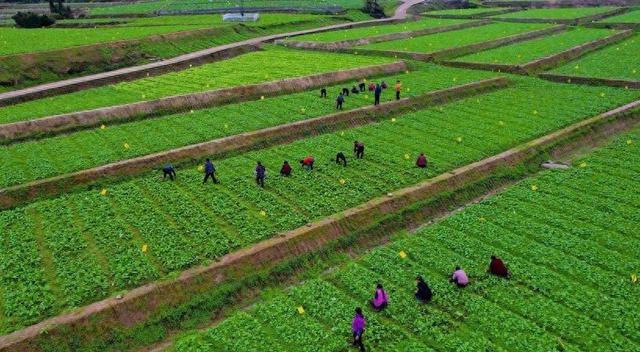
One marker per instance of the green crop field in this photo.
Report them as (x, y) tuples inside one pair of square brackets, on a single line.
[(76, 248), (530, 50), (557, 13), (632, 16), (446, 40), (364, 32), (19, 40), (464, 12), (177, 5), (616, 61), (149, 136), (569, 238), (273, 64)]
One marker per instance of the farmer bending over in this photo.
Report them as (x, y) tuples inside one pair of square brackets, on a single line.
[(286, 169), (380, 299), (459, 277), (497, 267), (422, 161), (358, 149), (323, 93), (340, 158), (423, 293), (307, 163), (168, 170)]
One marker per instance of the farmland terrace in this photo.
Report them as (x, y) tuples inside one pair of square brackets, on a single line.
[(100, 251)]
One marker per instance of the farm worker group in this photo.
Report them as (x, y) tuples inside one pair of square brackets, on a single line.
[(375, 88), (423, 295)]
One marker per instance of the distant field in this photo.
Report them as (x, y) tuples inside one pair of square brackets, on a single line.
[(617, 61), (629, 17), (530, 50), (557, 13), (440, 41), (178, 5), (363, 32), (262, 66), (464, 12), (17, 40)]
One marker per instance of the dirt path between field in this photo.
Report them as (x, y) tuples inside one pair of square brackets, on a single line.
[(110, 77)]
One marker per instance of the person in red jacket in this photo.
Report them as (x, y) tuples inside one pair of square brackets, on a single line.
[(286, 169), (307, 163), (422, 161), (497, 267)]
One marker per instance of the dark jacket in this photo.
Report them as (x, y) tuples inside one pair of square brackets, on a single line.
[(209, 168), (260, 170), (378, 89), (424, 292)]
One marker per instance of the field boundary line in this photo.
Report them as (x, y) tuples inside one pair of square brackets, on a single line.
[(460, 50), (591, 81), (52, 125), (343, 44), (138, 304), (477, 16), (19, 194), (546, 62), (571, 21)]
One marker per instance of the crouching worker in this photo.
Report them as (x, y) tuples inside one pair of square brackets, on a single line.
[(357, 326), (423, 292), (168, 170), (459, 277), (341, 159), (307, 163), (422, 161), (261, 172), (497, 268), (380, 299), (286, 169), (323, 93)]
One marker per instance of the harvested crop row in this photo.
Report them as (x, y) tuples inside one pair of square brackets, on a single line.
[(90, 148), (155, 227), (256, 67), (363, 32), (441, 41), (558, 13), (531, 50), (531, 226), (617, 61)]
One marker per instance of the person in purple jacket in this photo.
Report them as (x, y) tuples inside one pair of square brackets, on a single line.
[(260, 173), (459, 277), (380, 299), (357, 326)]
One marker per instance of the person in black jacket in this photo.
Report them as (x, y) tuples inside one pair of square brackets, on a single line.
[(168, 170), (423, 293), (340, 158)]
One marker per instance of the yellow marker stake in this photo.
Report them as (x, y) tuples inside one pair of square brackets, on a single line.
[(226, 125), (634, 278), (300, 310), (262, 97), (501, 123), (407, 157), (402, 254), (459, 139), (200, 168), (629, 142), (342, 133), (103, 192), (602, 94), (126, 146), (393, 119)]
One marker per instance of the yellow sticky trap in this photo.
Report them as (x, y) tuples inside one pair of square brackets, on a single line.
[(634, 278), (263, 213), (226, 125), (190, 65), (482, 219), (459, 139), (143, 96), (144, 248), (126, 146), (200, 168), (455, 79), (408, 89), (501, 123), (583, 164), (262, 97), (341, 133), (103, 192), (407, 71), (407, 157), (366, 96), (576, 67), (393, 119), (535, 112), (629, 142), (365, 80), (191, 111), (342, 181), (534, 188), (102, 127), (634, 71), (402, 254), (302, 110), (602, 94), (300, 310)]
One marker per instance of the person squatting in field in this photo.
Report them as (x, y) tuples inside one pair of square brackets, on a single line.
[(459, 277), (358, 149), (168, 170), (285, 170), (340, 158), (380, 298), (421, 162), (307, 163), (497, 268)]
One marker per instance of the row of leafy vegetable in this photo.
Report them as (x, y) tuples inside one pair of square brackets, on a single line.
[(569, 239), (78, 248)]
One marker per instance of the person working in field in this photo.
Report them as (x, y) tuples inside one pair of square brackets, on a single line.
[(339, 101), (459, 277), (345, 92), (423, 292), (372, 87), (340, 158), (261, 172), (421, 162), (497, 268), (380, 299), (168, 170), (354, 90), (323, 93), (307, 163), (362, 86), (398, 89), (358, 149), (383, 85), (358, 325), (377, 94), (285, 170), (209, 171)]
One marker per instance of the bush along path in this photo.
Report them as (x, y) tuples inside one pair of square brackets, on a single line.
[(156, 228), (530, 225)]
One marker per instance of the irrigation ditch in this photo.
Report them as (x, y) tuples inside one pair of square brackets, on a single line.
[(162, 303)]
